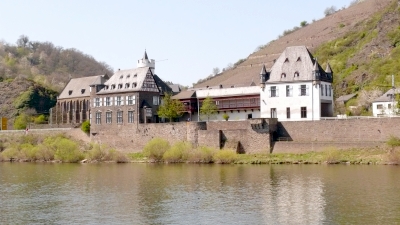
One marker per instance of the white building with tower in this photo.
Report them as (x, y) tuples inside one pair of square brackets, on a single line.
[(296, 88)]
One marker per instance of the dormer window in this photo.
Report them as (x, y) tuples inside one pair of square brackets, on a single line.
[(127, 85), (298, 59), (134, 85), (119, 86), (70, 92), (135, 75), (283, 75), (122, 76), (128, 76), (286, 60), (112, 86), (296, 74), (82, 91)]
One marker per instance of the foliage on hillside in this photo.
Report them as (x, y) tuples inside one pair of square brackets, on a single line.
[(46, 63), (365, 58)]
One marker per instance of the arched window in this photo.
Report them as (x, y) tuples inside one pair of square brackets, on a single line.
[(296, 74)]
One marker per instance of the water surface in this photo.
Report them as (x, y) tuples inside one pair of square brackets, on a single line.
[(198, 194)]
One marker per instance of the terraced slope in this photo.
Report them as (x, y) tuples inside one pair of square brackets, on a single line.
[(312, 36)]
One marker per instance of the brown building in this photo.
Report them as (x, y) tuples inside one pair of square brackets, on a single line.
[(129, 97), (73, 104)]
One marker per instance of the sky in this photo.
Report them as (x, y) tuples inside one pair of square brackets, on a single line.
[(187, 38)]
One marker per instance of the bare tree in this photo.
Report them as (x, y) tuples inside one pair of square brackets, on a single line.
[(22, 41), (330, 10), (215, 71)]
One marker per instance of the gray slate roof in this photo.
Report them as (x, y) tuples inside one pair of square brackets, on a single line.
[(129, 76), (295, 60), (387, 97), (345, 98), (79, 87), (185, 94)]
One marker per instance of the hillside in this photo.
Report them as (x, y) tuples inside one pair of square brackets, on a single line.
[(363, 27), (43, 61), (33, 73)]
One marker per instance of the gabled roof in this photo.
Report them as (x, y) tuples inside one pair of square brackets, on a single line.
[(79, 87), (135, 78), (288, 67), (162, 85), (387, 97), (185, 95), (175, 88), (226, 92), (328, 68)]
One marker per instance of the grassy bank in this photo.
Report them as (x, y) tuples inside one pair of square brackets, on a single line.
[(59, 148)]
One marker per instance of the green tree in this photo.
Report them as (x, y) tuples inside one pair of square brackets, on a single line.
[(208, 108), (86, 126), (21, 121), (303, 23), (170, 108)]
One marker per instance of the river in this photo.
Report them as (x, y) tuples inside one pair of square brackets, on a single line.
[(45, 193)]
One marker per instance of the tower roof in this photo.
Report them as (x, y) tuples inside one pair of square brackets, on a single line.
[(328, 68), (145, 55), (316, 67), (263, 70)]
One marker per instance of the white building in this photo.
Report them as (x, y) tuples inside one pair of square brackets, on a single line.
[(296, 88), (385, 105)]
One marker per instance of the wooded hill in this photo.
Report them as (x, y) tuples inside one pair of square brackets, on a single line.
[(361, 43), (33, 73)]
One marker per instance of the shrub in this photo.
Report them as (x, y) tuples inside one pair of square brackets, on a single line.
[(156, 148), (40, 119), (119, 157), (44, 153), (393, 158), (332, 155), (97, 152), (10, 153), (225, 116), (21, 122), (67, 151), (225, 156), (86, 127), (201, 155), (393, 141), (178, 152)]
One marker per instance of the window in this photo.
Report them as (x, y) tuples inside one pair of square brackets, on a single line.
[(70, 92), (274, 91), (128, 76), (298, 59), (326, 90), (119, 100), (134, 85), (283, 75), (98, 117), (289, 91), (131, 100), (303, 90), (330, 90), (130, 116), (119, 86), (288, 112), (216, 102), (112, 86), (322, 89), (108, 101), (82, 91), (119, 117), (273, 113), (379, 106), (135, 75), (156, 100), (97, 102), (296, 74), (108, 117), (303, 112), (127, 85), (286, 60), (389, 106)]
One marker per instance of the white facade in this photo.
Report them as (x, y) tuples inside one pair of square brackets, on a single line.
[(146, 62), (296, 101), (386, 105), (296, 88)]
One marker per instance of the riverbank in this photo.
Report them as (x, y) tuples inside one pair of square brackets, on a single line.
[(60, 148)]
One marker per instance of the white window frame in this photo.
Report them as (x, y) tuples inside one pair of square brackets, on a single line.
[(120, 117), (131, 117), (156, 100)]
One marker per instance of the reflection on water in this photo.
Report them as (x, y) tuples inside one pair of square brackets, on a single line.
[(198, 194)]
